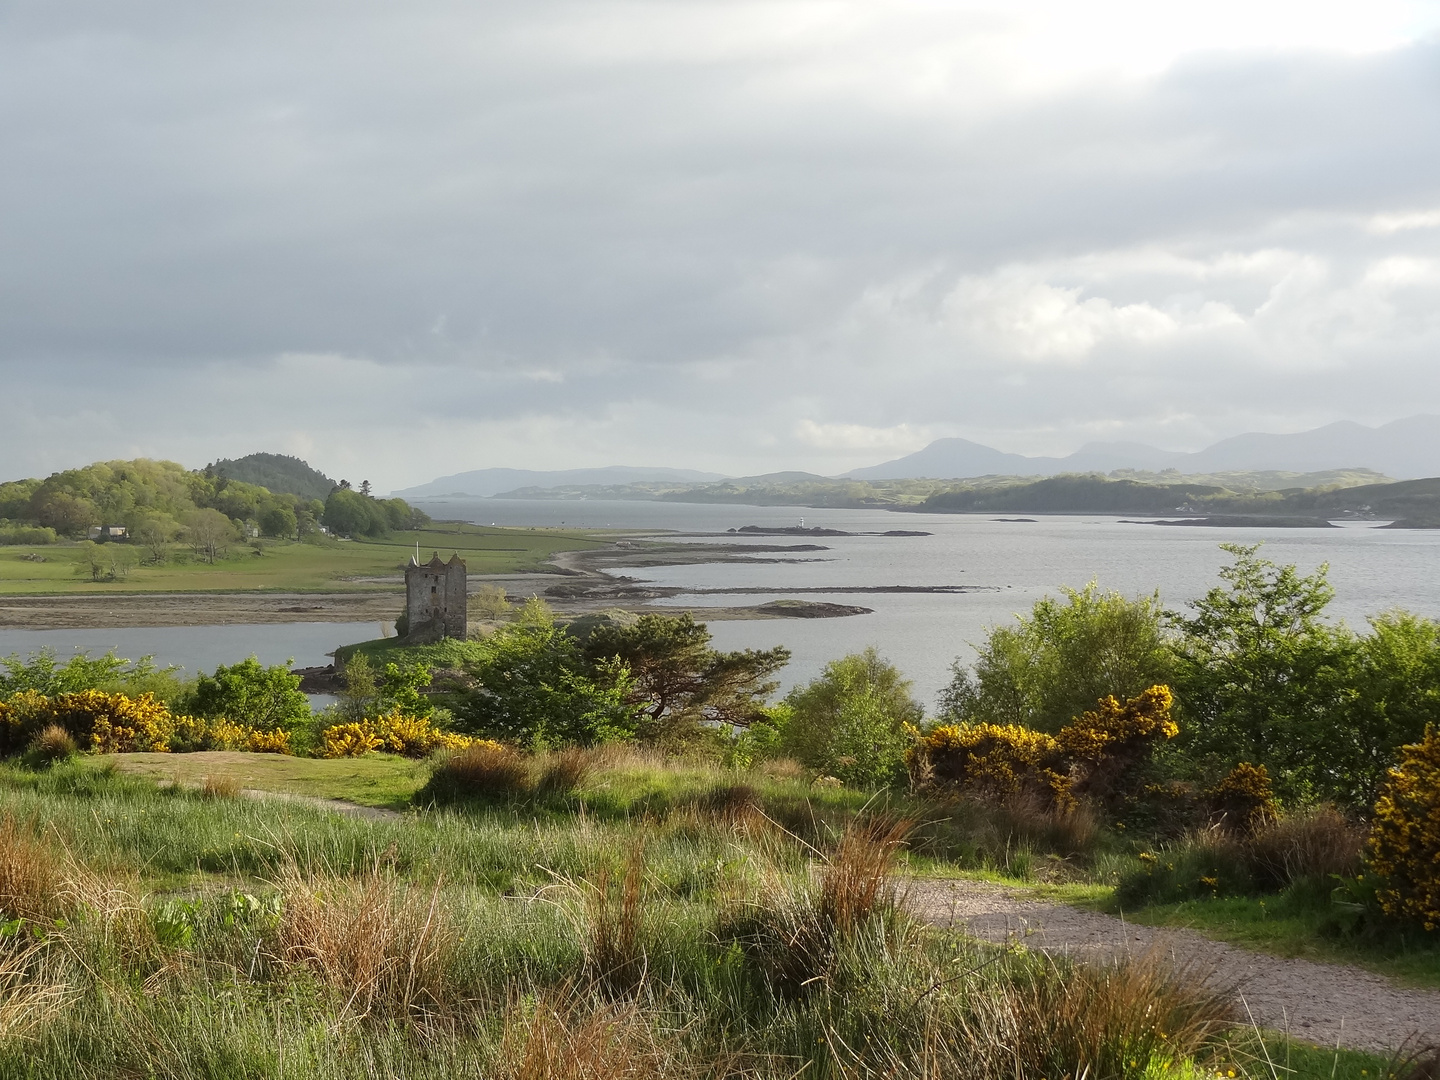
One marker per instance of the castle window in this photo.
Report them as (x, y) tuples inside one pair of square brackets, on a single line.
[(432, 590)]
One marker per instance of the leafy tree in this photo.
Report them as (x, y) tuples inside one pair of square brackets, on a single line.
[(400, 687), (44, 674), (153, 532), (90, 560), (122, 559), (64, 512), (535, 612), (360, 691), (307, 518), (1062, 658), (489, 602), (677, 680), (350, 513), (535, 689), (1260, 673), (250, 693), (852, 720), (209, 532), (1392, 692), (278, 521)]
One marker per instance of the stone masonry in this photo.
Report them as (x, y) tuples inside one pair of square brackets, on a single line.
[(435, 598)]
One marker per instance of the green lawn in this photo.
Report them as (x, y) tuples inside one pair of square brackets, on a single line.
[(292, 566), (384, 780)]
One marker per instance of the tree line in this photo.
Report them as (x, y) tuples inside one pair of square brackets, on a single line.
[(160, 503)]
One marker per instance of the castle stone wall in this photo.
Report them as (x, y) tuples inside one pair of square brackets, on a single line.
[(436, 598)]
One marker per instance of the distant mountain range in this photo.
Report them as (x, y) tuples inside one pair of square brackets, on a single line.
[(1405, 449), (483, 483)]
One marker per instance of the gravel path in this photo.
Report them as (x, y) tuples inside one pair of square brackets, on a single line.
[(1323, 1004)]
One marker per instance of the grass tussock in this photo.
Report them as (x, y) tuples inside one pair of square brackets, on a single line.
[(561, 773), (1318, 843), (53, 743), (31, 878), (384, 945), (33, 991), (615, 955), (481, 772), (793, 934), (1105, 1020), (220, 787), (1283, 853), (570, 1036)]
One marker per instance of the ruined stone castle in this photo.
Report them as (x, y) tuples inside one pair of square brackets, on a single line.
[(435, 599)]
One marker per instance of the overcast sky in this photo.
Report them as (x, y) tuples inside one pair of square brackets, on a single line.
[(406, 240)]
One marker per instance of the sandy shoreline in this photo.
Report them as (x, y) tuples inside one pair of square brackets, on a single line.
[(585, 590)]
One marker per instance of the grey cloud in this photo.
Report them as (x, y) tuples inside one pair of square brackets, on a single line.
[(518, 203)]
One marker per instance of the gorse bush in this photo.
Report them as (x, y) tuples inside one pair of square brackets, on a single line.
[(1403, 850), (1244, 800), (1092, 757), (395, 733), (98, 722)]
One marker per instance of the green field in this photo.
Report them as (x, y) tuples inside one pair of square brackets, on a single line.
[(290, 566), (381, 780)]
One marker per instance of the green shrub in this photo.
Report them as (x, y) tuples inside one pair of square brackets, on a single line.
[(27, 534), (853, 722)]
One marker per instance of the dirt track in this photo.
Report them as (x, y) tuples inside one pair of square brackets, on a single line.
[(1323, 1004)]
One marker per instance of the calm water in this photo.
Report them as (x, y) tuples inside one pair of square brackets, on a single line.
[(1372, 570), (1016, 563)]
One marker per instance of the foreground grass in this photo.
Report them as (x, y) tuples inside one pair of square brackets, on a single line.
[(655, 920), (299, 567)]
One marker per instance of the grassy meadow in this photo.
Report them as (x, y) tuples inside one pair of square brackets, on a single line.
[(328, 565), (587, 914)]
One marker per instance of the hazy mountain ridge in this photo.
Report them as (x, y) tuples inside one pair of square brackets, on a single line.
[(1403, 449), (1406, 449)]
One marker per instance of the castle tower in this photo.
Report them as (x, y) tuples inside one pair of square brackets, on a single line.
[(435, 598)]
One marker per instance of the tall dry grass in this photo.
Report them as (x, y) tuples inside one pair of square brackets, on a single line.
[(384, 945), (792, 933), (33, 989), (220, 787), (614, 932), (31, 877), (1096, 1019), (569, 1035), (562, 772), (856, 883), (53, 743), (1317, 843)]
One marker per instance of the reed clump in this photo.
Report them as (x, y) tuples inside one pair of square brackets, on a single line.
[(381, 944)]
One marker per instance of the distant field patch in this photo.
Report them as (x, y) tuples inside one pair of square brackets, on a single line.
[(384, 780), (293, 566)]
